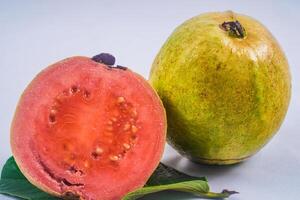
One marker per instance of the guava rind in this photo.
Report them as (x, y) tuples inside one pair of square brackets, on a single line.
[(225, 97)]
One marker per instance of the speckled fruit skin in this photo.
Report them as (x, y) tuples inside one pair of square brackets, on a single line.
[(70, 124), (225, 96)]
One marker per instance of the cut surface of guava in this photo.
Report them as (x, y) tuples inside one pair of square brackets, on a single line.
[(86, 130)]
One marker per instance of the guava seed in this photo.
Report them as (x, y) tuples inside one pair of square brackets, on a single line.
[(126, 146), (113, 158), (134, 129), (126, 127), (120, 99), (53, 112), (97, 153), (99, 150)]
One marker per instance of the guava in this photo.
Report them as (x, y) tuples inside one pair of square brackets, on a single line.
[(225, 84), (85, 129)]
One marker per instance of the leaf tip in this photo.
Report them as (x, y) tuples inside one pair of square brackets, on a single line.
[(229, 192)]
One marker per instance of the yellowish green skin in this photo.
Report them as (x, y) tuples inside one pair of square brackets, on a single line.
[(225, 96)]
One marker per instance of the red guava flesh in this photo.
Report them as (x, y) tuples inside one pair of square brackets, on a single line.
[(85, 130)]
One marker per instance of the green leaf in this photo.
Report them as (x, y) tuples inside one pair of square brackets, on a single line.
[(167, 178), (167, 175), (11, 170), (23, 189), (14, 183), (195, 187)]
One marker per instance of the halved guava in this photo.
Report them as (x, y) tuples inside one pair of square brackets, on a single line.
[(86, 130)]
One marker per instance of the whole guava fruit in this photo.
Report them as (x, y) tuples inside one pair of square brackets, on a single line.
[(225, 84), (85, 129)]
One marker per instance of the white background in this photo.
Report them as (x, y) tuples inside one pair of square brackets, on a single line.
[(34, 34)]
